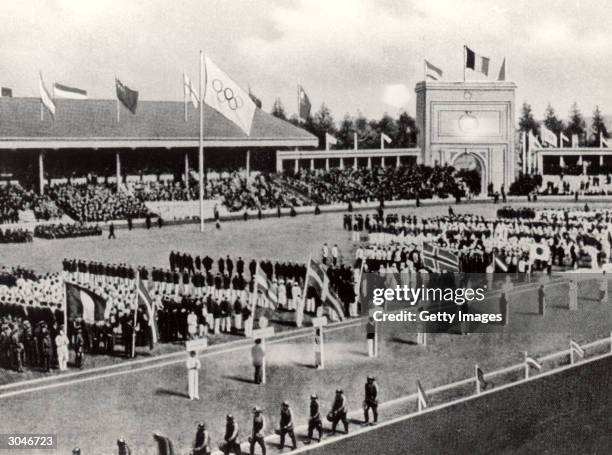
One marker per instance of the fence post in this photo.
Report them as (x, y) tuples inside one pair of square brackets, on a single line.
[(526, 366), (571, 354), (477, 379)]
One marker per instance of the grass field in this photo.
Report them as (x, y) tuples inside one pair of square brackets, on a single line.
[(93, 413)]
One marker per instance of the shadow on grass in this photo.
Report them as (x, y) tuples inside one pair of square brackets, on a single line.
[(402, 341), (172, 393), (239, 379), (304, 365)]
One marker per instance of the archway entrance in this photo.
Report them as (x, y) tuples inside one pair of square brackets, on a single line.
[(472, 171)]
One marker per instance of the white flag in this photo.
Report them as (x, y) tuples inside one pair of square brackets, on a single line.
[(227, 97), (533, 141), (562, 138), (386, 139), (190, 91), (45, 96), (603, 142), (330, 140), (548, 136)]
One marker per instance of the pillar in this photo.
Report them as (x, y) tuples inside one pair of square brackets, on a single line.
[(327, 164), (41, 172), (187, 169), (118, 169), (355, 162), (382, 161), (341, 163), (248, 164), (312, 164), (583, 165), (600, 160), (397, 161), (296, 166), (369, 162)]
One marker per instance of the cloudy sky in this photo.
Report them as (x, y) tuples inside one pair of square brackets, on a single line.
[(354, 55)]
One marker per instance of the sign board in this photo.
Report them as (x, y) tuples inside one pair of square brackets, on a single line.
[(196, 345)]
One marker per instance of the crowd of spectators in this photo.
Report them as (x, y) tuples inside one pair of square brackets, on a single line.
[(15, 235), (66, 230), (14, 199), (363, 184), (96, 202)]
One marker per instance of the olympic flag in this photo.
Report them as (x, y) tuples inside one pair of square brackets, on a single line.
[(227, 97)]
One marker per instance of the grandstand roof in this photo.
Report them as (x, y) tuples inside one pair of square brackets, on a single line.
[(93, 123)]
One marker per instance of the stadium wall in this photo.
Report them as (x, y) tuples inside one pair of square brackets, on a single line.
[(565, 412)]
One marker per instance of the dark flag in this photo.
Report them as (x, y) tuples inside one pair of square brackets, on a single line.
[(83, 303), (127, 96), (256, 100), (7, 92), (303, 104), (145, 302), (470, 58)]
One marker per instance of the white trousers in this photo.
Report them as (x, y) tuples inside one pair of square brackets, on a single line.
[(193, 384)]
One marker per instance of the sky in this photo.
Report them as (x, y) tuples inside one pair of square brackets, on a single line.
[(355, 55)]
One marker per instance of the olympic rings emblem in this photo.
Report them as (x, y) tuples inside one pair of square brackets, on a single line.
[(234, 101)]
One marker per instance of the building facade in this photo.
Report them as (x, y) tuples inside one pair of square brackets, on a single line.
[(469, 125)]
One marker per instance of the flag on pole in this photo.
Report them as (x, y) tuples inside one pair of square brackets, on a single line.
[(83, 303), (190, 91), (498, 264), (303, 104), (476, 62), (562, 138), (502, 71), (45, 96), (317, 278), (530, 361), (439, 259), (603, 142), (145, 303), (262, 282), (227, 97), (423, 398), (548, 137), (432, 72), (576, 348), (533, 141), (127, 96), (330, 140), (6, 92), (63, 91), (384, 139), (539, 251)]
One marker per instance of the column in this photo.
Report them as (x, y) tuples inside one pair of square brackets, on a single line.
[(539, 162), (118, 168), (583, 165), (397, 161), (186, 169), (312, 164), (41, 172), (296, 166), (382, 161), (248, 164), (355, 162), (369, 162), (327, 164), (341, 163)]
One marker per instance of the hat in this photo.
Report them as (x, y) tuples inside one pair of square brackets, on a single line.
[(201, 426), (314, 396), (76, 451), (120, 442), (339, 391), (371, 378), (230, 417), (285, 404), (257, 410)]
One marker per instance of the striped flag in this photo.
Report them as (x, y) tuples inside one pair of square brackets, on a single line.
[(330, 140), (63, 91), (320, 283), (533, 141), (262, 282), (45, 96), (548, 137), (423, 398), (83, 303), (145, 303), (533, 363), (432, 72), (576, 348), (127, 96), (439, 259), (562, 138), (476, 62)]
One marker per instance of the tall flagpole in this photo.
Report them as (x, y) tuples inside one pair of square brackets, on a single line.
[(464, 60), (201, 143), (306, 281), (184, 99)]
